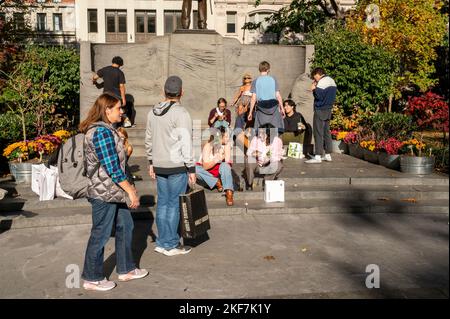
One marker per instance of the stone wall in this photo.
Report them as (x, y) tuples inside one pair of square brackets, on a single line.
[(210, 66)]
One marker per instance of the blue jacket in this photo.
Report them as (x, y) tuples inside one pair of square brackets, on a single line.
[(325, 93)]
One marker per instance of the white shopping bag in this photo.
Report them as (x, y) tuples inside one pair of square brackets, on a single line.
[(274, 191), (58, 190), (36, 174), (295, 150), (47, 184)]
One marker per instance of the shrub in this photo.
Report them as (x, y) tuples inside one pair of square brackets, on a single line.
[(364, 74), (11, 126), (387, 125), (430, 111)]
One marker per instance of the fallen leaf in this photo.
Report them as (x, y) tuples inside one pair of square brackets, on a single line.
[(269, 258), (409, 200), (384, 198), (302, 173), (304, 250)]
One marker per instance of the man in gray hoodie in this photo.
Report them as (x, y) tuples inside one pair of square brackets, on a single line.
[(169, 137)]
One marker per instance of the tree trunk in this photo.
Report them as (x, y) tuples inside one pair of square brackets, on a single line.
[(391, 97), (23, 125)]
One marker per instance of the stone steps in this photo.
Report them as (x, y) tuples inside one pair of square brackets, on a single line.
[(333, 195), (82, 215)]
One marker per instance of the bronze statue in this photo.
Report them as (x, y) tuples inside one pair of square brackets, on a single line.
[(186, 14)]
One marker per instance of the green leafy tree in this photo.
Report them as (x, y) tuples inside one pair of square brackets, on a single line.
[(31, 88), (61, 71), (363, 73)]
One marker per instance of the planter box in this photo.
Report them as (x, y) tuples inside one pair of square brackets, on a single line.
[(389, 161), (21, 172), (417, 165), (370, 156), (339, 147), (355, 151)]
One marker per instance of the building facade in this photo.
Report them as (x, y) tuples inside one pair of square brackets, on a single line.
[(112, 21), (53, 21)]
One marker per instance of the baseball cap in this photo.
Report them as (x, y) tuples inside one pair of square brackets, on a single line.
[(173, 85)]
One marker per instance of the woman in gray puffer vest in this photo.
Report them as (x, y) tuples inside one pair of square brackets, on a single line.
[(109, 192)]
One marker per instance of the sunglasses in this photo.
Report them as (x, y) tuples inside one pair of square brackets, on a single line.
[(247, 78)]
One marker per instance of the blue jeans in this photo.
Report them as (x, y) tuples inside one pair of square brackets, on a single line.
[(169, 188), (103, 215), (224, 172)]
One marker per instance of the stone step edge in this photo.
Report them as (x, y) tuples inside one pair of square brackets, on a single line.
[(85, 219)]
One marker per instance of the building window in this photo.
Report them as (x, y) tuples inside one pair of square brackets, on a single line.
[(145, 21), (231, 22), (57, 22), (172, 21), (41, 21), (116, 21), (19, 21), (116, 25), (260, 17), (265, 37), (92, 20)]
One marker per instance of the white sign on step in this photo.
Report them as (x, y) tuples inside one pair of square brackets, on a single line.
[(274, 191)]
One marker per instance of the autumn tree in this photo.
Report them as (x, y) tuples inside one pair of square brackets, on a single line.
[(411, 29)]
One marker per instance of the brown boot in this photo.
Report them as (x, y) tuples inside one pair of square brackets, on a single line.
[(229, 197), (219, 185)]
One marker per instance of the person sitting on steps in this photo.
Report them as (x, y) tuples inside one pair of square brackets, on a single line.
[(214, 166), (264, 156)]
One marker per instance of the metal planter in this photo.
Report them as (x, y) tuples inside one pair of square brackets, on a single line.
[(417, 165), (21, 172), (355, 151), (389, 161), (339, 147), (370, 156)]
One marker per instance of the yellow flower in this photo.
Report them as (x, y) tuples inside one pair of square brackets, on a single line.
[(62, 134)]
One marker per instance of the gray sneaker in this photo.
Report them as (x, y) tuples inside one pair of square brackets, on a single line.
[(180, 250), (103, 285)]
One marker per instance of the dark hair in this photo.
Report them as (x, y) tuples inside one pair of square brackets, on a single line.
[(264, 66), (222, 129), (172, 95), (290, 102), (117, 60), (221, 100), (318, 71), (268, 127)]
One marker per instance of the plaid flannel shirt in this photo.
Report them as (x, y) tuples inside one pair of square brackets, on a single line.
[(105, 148)]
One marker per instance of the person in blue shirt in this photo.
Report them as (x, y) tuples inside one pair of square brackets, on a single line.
[(324, 91), (267, 98)]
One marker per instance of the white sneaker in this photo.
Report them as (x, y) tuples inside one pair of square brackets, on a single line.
[(135, 274), (159, 250), (180, 250), (316, 160), (327, 158), (103, 285)]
